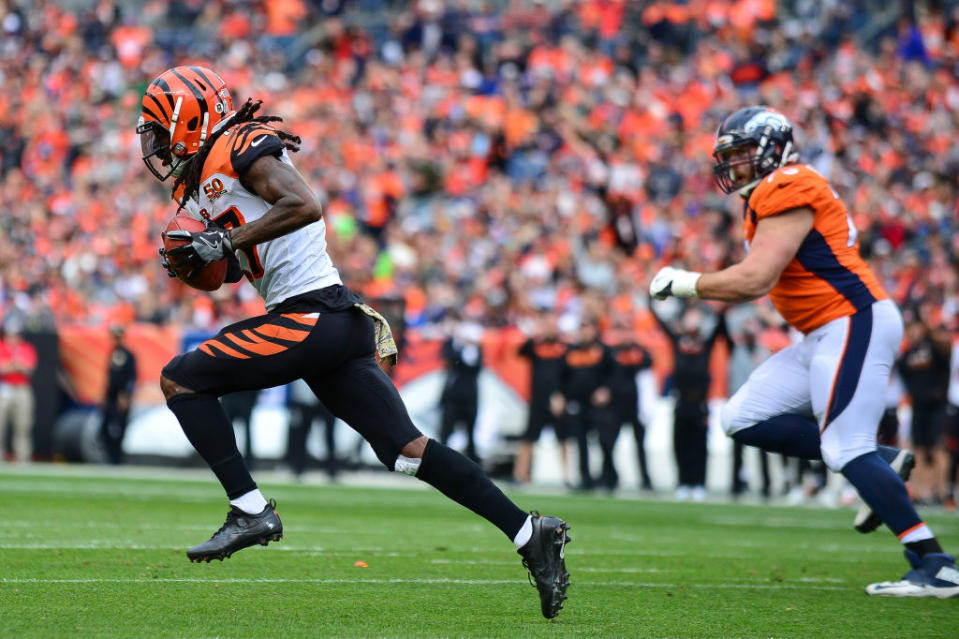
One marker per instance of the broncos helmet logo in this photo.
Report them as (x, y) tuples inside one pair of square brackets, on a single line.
[(750, 144)]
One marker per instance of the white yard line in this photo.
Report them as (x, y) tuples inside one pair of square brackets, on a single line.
[(854, 556), (415, 581)]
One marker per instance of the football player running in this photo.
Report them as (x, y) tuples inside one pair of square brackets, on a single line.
[(232, 169), (821, 398)]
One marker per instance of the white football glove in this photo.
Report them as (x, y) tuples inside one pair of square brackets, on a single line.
[(674, 281)]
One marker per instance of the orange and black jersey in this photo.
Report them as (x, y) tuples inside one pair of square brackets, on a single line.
[(285, 266), (629, 358), (587, 366), (546, 358), (924, 368), (691, 353), (827, 279)]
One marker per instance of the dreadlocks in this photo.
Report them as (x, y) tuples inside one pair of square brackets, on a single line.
[(190, 178)]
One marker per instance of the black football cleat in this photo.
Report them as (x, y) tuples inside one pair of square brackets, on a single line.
[(240, 530), (544, 557)]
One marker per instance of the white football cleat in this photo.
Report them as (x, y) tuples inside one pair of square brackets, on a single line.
[(934, 575)]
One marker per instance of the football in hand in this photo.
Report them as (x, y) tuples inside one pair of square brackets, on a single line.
[(207, 278)]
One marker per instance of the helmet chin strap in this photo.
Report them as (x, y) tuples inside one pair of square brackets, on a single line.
[(787, 157), (747, 189), (180, 167)]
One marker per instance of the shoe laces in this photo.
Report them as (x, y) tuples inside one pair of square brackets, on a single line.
[(230, 516), (529, 573)]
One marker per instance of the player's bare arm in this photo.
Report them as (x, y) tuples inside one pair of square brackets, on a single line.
[(774, 245), (294, 203)]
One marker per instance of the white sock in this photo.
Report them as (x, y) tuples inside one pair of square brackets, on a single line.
[(251, 502), (525, 532)]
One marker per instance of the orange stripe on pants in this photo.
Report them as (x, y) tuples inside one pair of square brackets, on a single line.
[(226, 349), (262, 347), (281, 332)]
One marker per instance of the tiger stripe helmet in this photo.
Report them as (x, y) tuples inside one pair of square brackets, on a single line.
[(179, 111)]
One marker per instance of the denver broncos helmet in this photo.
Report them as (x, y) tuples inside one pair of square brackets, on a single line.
[(756, 137), (180, 109)]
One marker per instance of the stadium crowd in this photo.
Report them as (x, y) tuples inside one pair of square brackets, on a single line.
[(494, 157)]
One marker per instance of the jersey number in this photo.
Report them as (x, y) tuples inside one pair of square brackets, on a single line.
[(232, 218)]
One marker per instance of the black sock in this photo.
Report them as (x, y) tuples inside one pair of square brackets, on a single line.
[(460, 479), (209, 430), (924, 546)]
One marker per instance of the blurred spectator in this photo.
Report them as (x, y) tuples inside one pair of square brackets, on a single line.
[(586, 377), (491, 155), (117, 400), (888, 434), (304, 409), (18, 359), (239, 408), (924, 368), (746, 354), (459, 401), (629, 361), (692, 336), (952, 424), (482, 134), (545, 352)]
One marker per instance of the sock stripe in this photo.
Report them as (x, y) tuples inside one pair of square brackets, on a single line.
[(915, 532)]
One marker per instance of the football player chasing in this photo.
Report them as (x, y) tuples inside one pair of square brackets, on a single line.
[(233, 170), (821, 398)]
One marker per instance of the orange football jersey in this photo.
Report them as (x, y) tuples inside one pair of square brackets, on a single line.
[(827, 278)]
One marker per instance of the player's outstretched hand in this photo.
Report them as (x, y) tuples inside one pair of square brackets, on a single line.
[(673, 281), (203, 247)]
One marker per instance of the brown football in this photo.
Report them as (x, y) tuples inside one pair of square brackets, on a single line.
[(208, 278)]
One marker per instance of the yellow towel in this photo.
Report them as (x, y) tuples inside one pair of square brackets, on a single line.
[(383, 336)]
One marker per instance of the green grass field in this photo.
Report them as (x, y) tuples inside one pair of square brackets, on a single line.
[(90, 555)]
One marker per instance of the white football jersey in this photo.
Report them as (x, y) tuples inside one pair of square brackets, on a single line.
[(280, 268)]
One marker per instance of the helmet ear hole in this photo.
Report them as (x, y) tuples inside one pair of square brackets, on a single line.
[(192, 124)]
